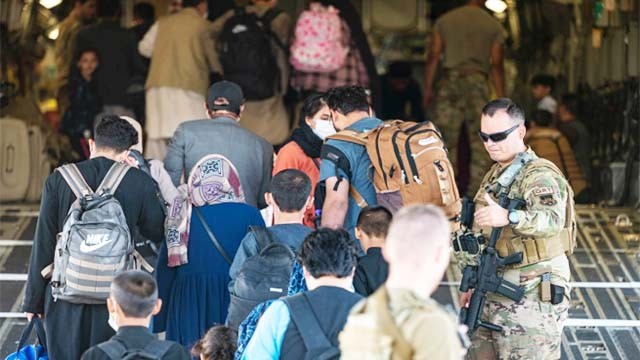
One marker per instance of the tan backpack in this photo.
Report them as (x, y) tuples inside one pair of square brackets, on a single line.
[(410, 165)]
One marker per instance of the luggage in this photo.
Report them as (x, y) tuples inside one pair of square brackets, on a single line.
[(40, 165), (317, 45), (262, 277), (15, 161), (246, 53), (95, 244), (410, 165), (31, 352)]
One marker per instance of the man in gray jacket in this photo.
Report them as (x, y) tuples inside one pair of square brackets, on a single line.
[(221, 134)]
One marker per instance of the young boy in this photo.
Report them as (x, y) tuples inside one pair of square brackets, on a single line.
[(541, 88), (371, 230)]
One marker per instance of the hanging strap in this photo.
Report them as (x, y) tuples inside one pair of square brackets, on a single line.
[(306, 322), (113, 348), (113, 178), (75, 180), (40, 333), (212, 237), (263, 236)]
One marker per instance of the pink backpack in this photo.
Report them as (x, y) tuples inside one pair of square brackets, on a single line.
[(317, 46)]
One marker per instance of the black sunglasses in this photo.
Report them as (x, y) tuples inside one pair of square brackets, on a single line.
[(497, 137)]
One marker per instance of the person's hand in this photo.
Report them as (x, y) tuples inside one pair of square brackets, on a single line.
[(492, 215), (31, 315), (428, 97), (465, 297)]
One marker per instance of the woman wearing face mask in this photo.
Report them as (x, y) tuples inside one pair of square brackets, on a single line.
[(302, 150)]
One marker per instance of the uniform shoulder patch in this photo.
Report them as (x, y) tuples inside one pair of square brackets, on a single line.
[(545, 190)]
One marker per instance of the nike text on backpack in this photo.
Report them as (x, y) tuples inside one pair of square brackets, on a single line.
[(410, 165), (315, 340), (246, 53), (317, 46), (262, 277), (95, 243), (155, 350)]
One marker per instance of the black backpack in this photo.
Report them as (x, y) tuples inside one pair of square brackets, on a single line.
[(154, 350), (262, 277), (315, 340), (246, 55)]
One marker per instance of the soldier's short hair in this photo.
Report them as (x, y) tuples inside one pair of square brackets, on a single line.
[(515, 112), (415, 229)]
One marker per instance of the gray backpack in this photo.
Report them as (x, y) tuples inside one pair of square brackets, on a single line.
[(95, 243)]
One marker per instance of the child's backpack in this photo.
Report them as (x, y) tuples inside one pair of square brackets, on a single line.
[(410, 165), (262, 277), (317, 46), (246, 54), (154, 350), (95, 243)]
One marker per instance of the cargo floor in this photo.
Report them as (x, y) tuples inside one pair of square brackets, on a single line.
[(605, 303)]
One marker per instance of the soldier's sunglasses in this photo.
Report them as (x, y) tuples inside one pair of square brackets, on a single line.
[(497, 137)]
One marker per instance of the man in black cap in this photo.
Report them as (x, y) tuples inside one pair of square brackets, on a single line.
[(221, 134)]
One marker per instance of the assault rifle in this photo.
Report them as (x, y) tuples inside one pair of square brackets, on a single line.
[(483, 277)]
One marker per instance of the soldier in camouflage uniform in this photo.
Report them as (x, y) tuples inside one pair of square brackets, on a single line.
[(542, 230), (471, 41)]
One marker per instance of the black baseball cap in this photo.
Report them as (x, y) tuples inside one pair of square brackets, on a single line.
[(225, 95)]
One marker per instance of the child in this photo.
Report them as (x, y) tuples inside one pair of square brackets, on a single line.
[(77, 122), (218, 343), (371, 230), (541, 88)]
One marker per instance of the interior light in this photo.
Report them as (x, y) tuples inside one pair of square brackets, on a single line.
[(50, 3), (53, 33), (497, 6)]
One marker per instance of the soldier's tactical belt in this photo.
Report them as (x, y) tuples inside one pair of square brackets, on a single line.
[(535, 250)]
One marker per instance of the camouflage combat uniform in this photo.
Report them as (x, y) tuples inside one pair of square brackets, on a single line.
[(532, 327), (461, 98)]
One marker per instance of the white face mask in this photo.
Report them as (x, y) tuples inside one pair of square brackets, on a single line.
[(113, 321), (324, 128)]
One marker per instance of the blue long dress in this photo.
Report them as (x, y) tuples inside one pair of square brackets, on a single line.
[(195, 295)]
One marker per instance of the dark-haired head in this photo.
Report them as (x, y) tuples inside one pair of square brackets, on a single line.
[(290, 190), (109, 9), (543, 118), (114, 134), (328, 252), (219, 343), (144, 11), (191, 3), (374, 221), (311, 105), (570, 103), (545, 80), (515, 112), (347, 99), (136, 293)]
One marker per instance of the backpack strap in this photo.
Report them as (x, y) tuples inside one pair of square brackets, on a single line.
[(306, 322), (212, 237), (158, 348), (263, 236), (71, 174), (266, 20), (380, 305), (113, 178), (339, 159), (114, 349)]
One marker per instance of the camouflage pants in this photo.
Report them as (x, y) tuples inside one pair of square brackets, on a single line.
[(532, 330), (460, 100)]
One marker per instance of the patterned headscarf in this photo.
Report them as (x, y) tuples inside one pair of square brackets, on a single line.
[(213, 180)]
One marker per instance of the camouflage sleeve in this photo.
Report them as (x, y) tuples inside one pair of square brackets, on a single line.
[(545, 193)]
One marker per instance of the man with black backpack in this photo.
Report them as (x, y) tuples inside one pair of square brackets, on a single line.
[(87, 213), (306, 325), (252, 46), (132, 302), (265, 252)]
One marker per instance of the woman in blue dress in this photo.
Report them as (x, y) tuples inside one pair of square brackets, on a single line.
[(193, 273)]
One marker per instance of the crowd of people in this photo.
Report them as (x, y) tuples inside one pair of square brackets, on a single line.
[(285, 255)]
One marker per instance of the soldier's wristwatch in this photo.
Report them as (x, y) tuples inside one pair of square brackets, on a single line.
[(514, 217)]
